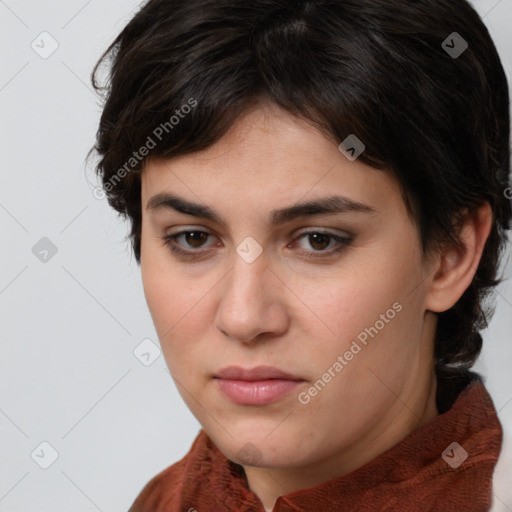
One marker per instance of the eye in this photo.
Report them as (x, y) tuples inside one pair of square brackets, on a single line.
[(318, 240), (321, 240), (194, 239)]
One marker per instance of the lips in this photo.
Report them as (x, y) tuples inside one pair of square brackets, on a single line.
[(256, 373), (260, 385)]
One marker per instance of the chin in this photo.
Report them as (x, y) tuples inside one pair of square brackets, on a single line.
[(259, 451)]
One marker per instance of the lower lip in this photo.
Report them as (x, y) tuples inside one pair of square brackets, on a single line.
[(258, 392)]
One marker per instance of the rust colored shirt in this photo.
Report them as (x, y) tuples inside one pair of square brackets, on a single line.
[(426, 471)]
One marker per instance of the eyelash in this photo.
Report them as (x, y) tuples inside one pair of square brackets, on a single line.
[(343, 242)]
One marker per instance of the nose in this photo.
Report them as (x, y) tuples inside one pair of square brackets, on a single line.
[(253, 302)]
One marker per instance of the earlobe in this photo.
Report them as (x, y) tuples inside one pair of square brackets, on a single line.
[(456, 265)]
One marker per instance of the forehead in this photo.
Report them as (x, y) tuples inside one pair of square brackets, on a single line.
[(268, 158)]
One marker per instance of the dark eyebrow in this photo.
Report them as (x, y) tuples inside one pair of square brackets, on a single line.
[(324, 206)]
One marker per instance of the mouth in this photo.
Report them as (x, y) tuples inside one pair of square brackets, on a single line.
[(261, 385)]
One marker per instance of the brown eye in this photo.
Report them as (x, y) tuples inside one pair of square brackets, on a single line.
[(192, 240), (195, 238), (321, 243)]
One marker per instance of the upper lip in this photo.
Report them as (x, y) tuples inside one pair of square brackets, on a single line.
[(252, 374)]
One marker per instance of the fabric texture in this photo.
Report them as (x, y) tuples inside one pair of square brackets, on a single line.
[(423, 472)]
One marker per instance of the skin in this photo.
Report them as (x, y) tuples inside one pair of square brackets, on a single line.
[(297, 313)]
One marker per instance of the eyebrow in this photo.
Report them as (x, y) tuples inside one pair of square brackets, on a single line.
[(329, 205)]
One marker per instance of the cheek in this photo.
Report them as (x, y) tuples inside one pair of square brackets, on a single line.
[(165, 289), (370, 304), (346, 303), (162, 289), (174, 302), (179, 307)]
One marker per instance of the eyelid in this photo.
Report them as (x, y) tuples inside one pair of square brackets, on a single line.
[(325, 231)]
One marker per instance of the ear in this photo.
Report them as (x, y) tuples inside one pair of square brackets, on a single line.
[(454, 267)]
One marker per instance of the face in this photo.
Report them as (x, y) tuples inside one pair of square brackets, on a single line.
[(332, 298)]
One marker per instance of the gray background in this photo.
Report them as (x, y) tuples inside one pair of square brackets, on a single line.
[(71, 374)]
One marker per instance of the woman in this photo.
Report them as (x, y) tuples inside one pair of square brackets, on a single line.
[(317, 193)]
